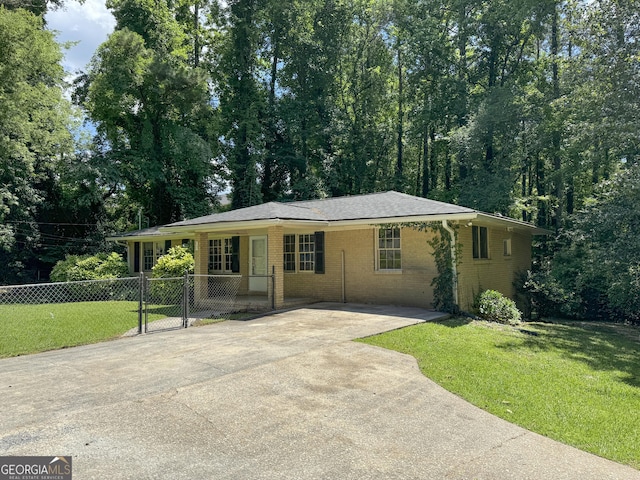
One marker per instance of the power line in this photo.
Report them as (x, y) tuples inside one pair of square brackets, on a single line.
[(54, 223)]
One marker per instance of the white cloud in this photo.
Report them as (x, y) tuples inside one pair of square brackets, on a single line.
[(89, 24)]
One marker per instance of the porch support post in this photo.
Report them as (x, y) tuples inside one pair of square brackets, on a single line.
[(201, 267), (275, 258)]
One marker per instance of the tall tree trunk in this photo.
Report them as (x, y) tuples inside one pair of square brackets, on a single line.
[(399, 162), (555, 136), (541, 188), (267, 189), (489, 139), (433, 158), (426, 182), (196, 34), (463, 81)]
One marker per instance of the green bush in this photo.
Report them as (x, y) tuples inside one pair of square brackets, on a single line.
[(89, 267), (495, 307), (544, 296), (103, 266), (174, 263)]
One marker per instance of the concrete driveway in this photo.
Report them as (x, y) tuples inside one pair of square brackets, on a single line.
[(284, 396)]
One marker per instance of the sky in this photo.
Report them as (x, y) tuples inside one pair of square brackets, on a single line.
[(88, 24)]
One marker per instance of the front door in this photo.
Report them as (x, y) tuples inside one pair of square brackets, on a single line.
[(258, 280)]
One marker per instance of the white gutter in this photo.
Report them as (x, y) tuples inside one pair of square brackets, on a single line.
[(265, 223), (454, 267)]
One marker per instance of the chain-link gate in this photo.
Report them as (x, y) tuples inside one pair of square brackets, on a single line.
[(164, 297)]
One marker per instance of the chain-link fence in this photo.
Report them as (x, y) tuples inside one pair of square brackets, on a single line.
[(39, 317), (212, 296), (164, 297), (56, 315)]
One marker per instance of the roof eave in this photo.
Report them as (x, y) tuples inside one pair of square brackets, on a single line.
[(181, 231), (241, 224), (512, 223)]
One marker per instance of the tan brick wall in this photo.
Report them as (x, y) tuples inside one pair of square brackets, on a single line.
[(275, 264), (496, 273), (362, 283)]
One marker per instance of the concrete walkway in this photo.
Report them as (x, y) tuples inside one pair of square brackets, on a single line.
[(283, 396)]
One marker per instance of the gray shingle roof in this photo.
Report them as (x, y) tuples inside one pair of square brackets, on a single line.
[(362, 207)]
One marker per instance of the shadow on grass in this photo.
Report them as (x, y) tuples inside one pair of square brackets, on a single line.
[(453, 322), (595, 344)]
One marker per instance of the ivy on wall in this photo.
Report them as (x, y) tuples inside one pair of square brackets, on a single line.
[(440, 242)]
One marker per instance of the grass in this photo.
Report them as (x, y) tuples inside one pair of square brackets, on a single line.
[(36, 328), (575, 382)]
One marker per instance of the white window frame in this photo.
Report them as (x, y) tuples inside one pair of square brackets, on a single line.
[(478, 238), (148, 256), (221, 247), (306, 246), (389, 241), (290, 256), (506, 247)]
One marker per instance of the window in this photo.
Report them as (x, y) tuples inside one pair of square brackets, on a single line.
[(159, 251), (480, 242), (147, 256), (289, 248), (389, 252), (506, 247), (306, 251), (221, 255)]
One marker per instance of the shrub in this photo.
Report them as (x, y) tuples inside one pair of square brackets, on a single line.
[(174, 263), (544, 296), (495, 307), (101, 266)]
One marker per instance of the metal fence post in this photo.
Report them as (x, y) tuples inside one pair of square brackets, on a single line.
[(140, 300), (273, 287), (185, 300)]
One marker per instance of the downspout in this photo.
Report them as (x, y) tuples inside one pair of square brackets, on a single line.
[(454, 261)]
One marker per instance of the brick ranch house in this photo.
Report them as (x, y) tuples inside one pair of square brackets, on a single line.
[(345, 249)]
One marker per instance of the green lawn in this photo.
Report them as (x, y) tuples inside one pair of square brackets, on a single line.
[(576, 382), (36, 328)]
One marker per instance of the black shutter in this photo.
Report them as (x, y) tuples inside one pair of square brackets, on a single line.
[(319, 253), (167, 246), (475, 242), (136, 257), (235, 254)]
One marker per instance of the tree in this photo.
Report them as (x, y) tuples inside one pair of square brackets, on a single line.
[(599, 259), (34, 132), (242, 104), (37, 7), (151, 109)]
